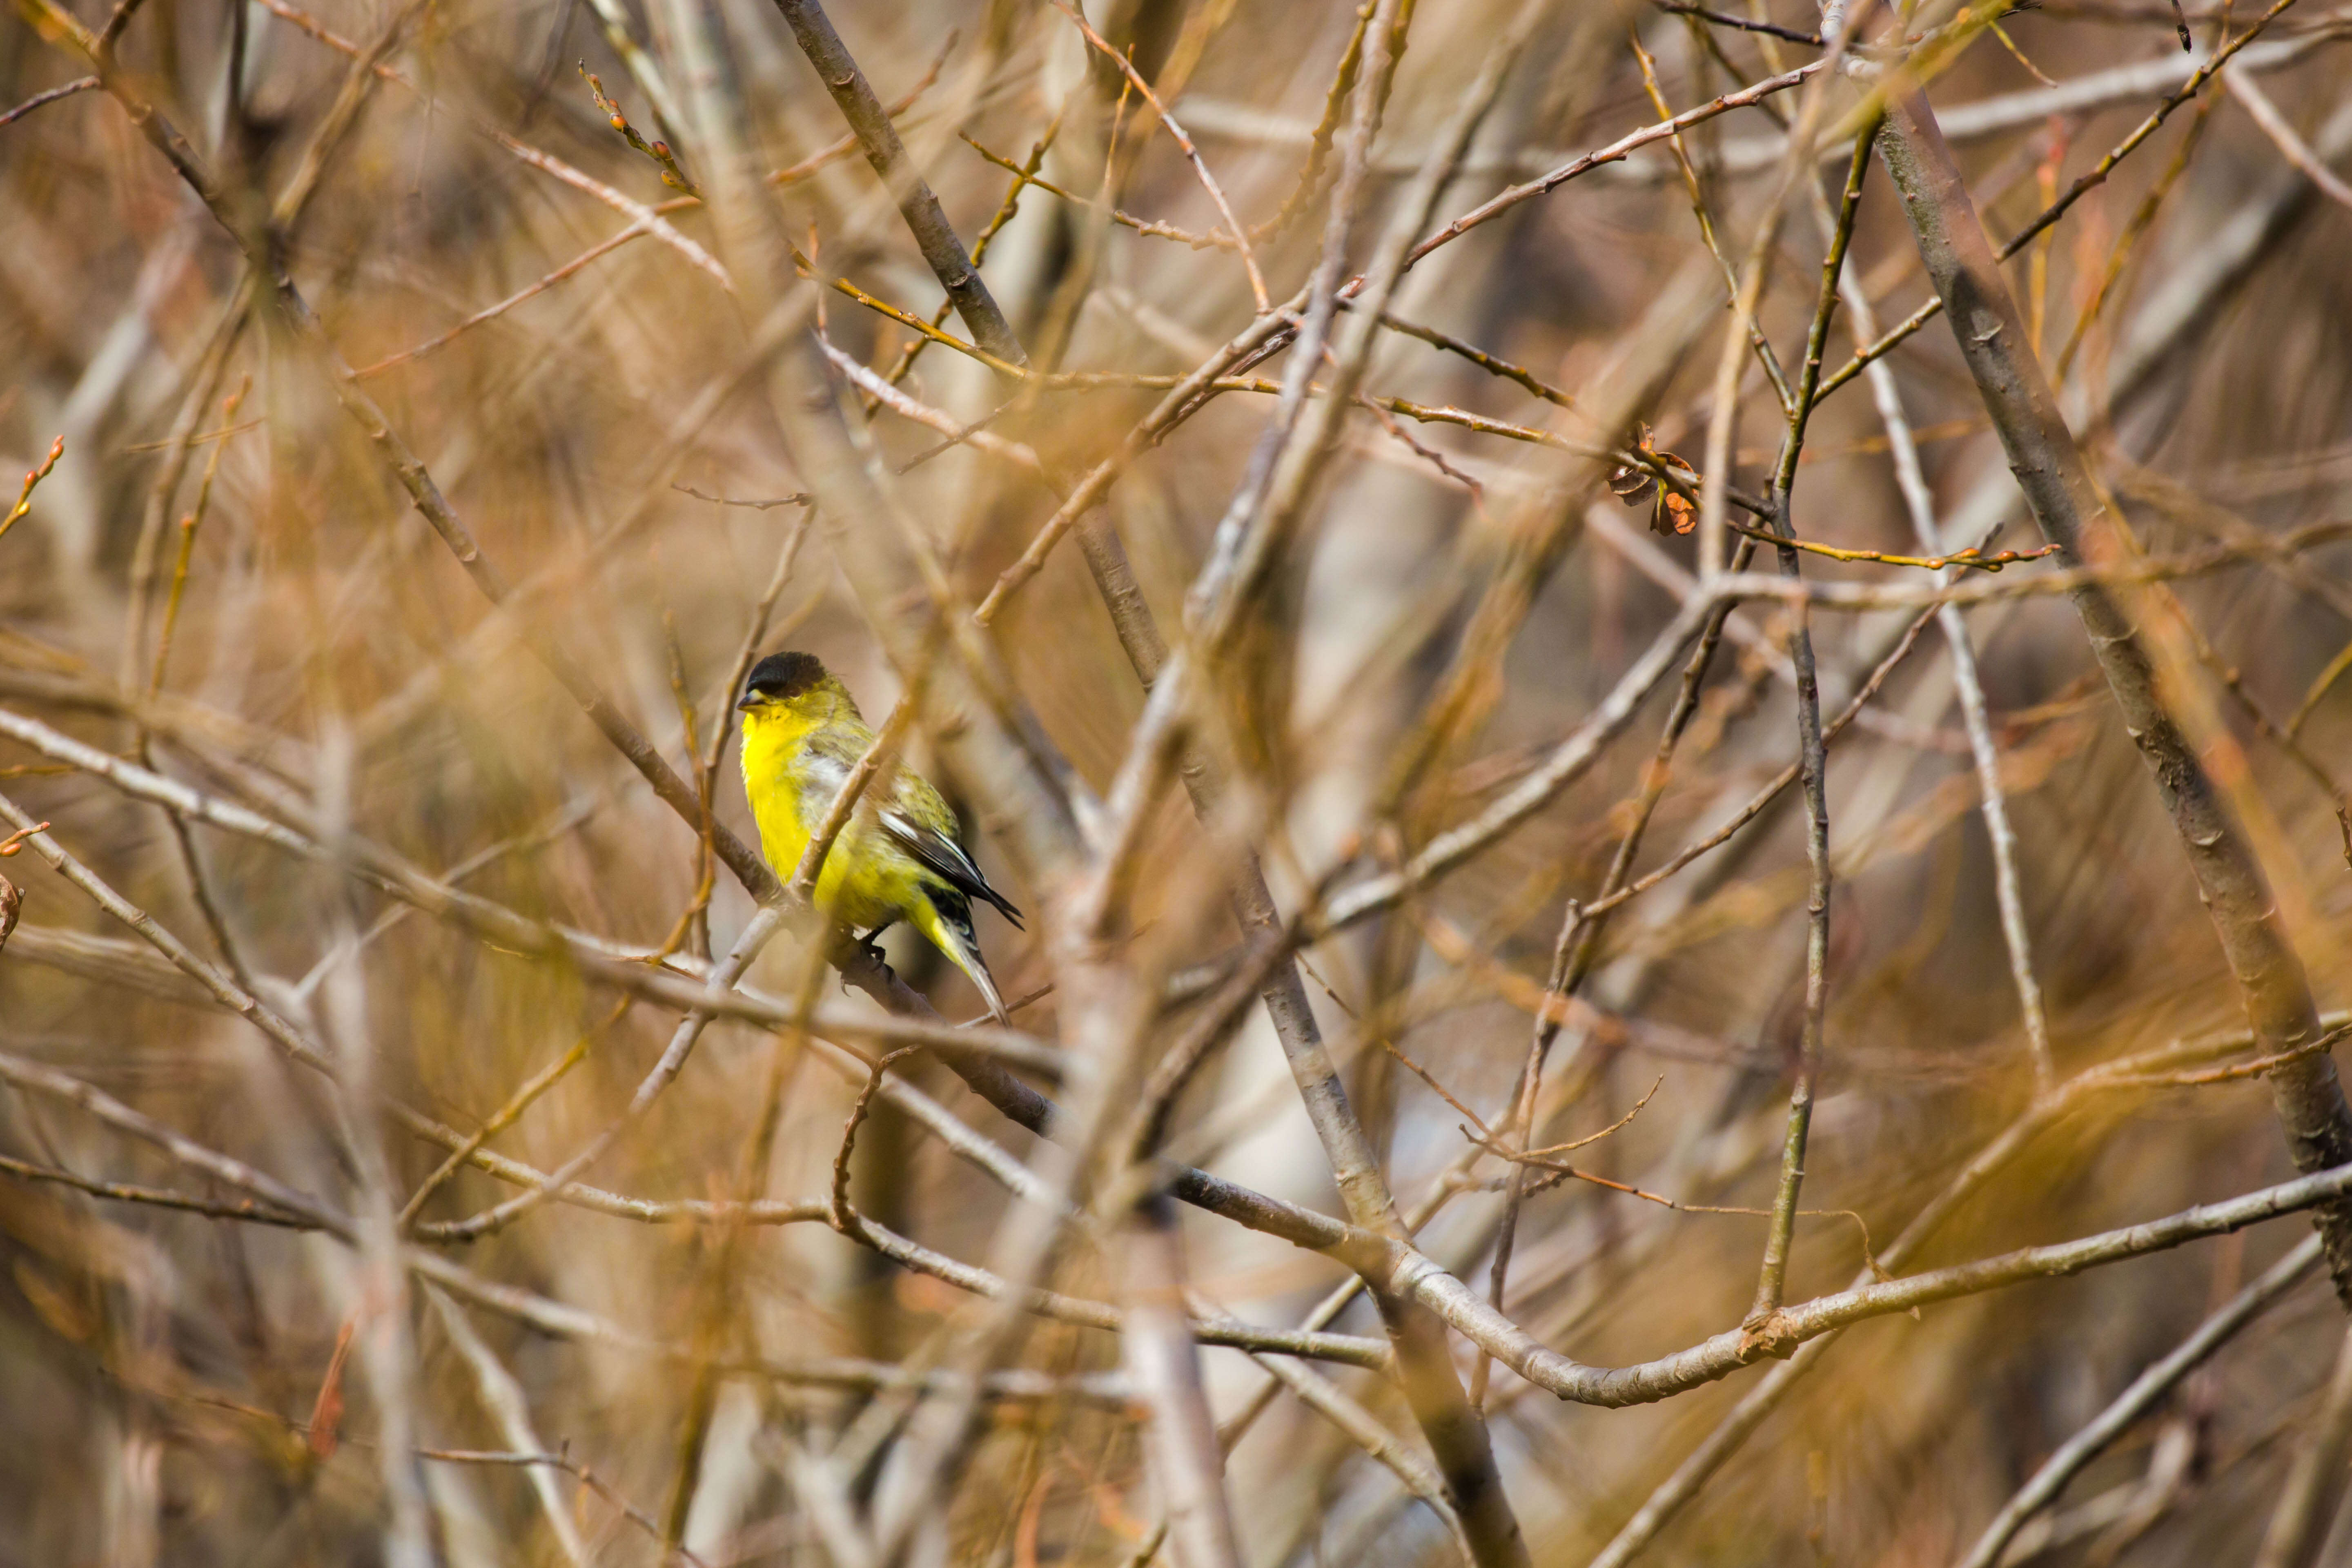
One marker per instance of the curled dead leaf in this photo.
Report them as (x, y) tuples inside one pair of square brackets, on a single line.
[(1670, 512)]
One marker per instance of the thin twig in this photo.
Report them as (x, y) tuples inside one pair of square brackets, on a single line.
[(82, 84), (1745, 24), (2294, 148), (1184, 143), (32, 477)]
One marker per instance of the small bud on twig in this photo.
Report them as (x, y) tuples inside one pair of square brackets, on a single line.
[(32, 478)]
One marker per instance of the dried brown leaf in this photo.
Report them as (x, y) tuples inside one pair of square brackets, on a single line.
[(1670, 512)]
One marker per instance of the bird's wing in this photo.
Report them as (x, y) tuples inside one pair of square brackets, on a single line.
[(940, 855)]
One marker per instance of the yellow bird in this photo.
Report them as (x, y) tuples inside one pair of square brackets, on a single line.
[(801, 736)]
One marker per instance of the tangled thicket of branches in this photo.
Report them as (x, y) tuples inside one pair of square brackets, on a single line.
[(1668, 687)]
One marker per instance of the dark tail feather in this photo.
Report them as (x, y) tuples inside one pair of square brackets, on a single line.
[(1003, 905), (962, 947)]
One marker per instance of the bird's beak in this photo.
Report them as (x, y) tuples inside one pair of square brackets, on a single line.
[(747, 704)]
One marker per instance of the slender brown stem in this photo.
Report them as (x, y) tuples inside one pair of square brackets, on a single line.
[(1813, 767)]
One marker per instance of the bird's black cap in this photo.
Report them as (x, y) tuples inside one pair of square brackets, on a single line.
[(782, 676)]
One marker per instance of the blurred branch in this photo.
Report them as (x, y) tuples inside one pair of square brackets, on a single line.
[(208, 904), (2136, 1401), (202, 387), (835, 150), (1567, 762), (506, 1115), (1763, 347), (603, 247), (1919, 502), (1209, 1327), (1615, 151), (635, 211), (502, 1395), (2314, 1479), (1364, 1429), (285, 1204), (1181, 1437), (650, 1087), (342, 116), (559, 1320), (2294, 148)]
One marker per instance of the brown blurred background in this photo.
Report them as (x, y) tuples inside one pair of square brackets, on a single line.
[(166, 1374)]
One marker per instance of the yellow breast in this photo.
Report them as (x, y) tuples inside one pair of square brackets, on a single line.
[(858, 886)]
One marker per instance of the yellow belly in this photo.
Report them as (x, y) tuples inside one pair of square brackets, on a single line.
[(866, 881)]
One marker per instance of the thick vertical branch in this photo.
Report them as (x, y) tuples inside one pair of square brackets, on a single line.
[(1282, 473), (2305, 1090), (1181, 1436), (381, 1308)]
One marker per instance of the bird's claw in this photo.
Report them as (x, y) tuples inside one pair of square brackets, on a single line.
[(855, 948), (872, 954)]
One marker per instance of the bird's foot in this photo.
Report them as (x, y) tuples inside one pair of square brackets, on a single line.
[(855, 948)]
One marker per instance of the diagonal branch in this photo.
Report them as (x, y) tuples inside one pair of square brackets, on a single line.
[(2136, 1401), (879, 140)]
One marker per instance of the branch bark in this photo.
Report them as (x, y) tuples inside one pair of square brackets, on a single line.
[(879, 140)]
